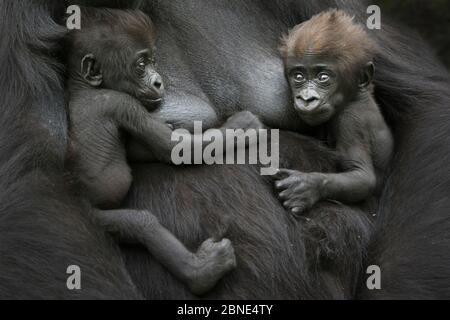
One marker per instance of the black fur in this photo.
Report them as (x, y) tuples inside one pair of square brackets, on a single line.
[(221, 56), (44, 227)]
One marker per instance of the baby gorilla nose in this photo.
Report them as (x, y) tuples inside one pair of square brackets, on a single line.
[(156, 83), (153, 92), (308, 95), (307, 101)]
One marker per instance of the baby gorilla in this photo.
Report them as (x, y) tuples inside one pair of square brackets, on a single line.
[(112, 86), (328, 63)]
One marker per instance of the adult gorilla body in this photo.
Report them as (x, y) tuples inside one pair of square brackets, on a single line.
[(219, 57)]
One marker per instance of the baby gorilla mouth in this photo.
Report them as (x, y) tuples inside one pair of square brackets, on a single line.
[(314, 107), (314, 114), (151, 104)]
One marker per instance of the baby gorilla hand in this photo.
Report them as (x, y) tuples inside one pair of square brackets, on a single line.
[(244, 120), (298, 191), (211, 262)]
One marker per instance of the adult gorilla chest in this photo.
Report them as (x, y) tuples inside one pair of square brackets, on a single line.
[(217, 60)]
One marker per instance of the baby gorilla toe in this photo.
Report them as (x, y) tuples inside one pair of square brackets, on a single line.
[(213, 261)]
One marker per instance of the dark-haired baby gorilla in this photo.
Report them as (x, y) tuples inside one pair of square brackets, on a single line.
[(328, 62), (113, 86)]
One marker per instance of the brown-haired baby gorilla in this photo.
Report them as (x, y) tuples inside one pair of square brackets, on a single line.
[(328, 63), (113, 86)]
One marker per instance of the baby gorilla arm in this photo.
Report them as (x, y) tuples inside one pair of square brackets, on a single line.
[(200, 271), (301, 191), (140, 149), (131, 116)]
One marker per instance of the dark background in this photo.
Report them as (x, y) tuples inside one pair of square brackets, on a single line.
[(431, 18)]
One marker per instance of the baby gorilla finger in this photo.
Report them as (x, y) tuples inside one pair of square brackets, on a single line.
[(299, 205), (285, 183), (291, 203), (299, 210), (283, 174), (244, 120), (286, 194)]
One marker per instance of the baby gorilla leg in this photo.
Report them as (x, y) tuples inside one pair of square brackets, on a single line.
[(110, 186), (199, 271)]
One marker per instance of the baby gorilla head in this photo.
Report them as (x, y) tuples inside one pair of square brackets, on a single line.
[(114, 50), (328, 59)]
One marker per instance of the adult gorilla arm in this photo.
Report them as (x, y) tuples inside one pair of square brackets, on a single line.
[(44, 226), (411, 242)]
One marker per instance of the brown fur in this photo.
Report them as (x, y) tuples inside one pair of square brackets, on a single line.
[(333, 34), (121, 23), (129, 27)]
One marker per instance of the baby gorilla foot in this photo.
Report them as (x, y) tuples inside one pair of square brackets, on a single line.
[(211, 262)]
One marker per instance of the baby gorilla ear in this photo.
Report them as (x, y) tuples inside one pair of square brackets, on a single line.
[(90, 70), (367, 75)]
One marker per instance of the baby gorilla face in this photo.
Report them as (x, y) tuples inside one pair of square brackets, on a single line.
[(149, 84), (116, 49), (134, 73), (315, 88)]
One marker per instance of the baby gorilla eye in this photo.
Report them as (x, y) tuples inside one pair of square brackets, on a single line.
[(299, 77), (324, 77), (141, 64)]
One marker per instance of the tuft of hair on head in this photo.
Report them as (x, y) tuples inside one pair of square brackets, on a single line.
[(111, 28), (133, 23), (333, 34)]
